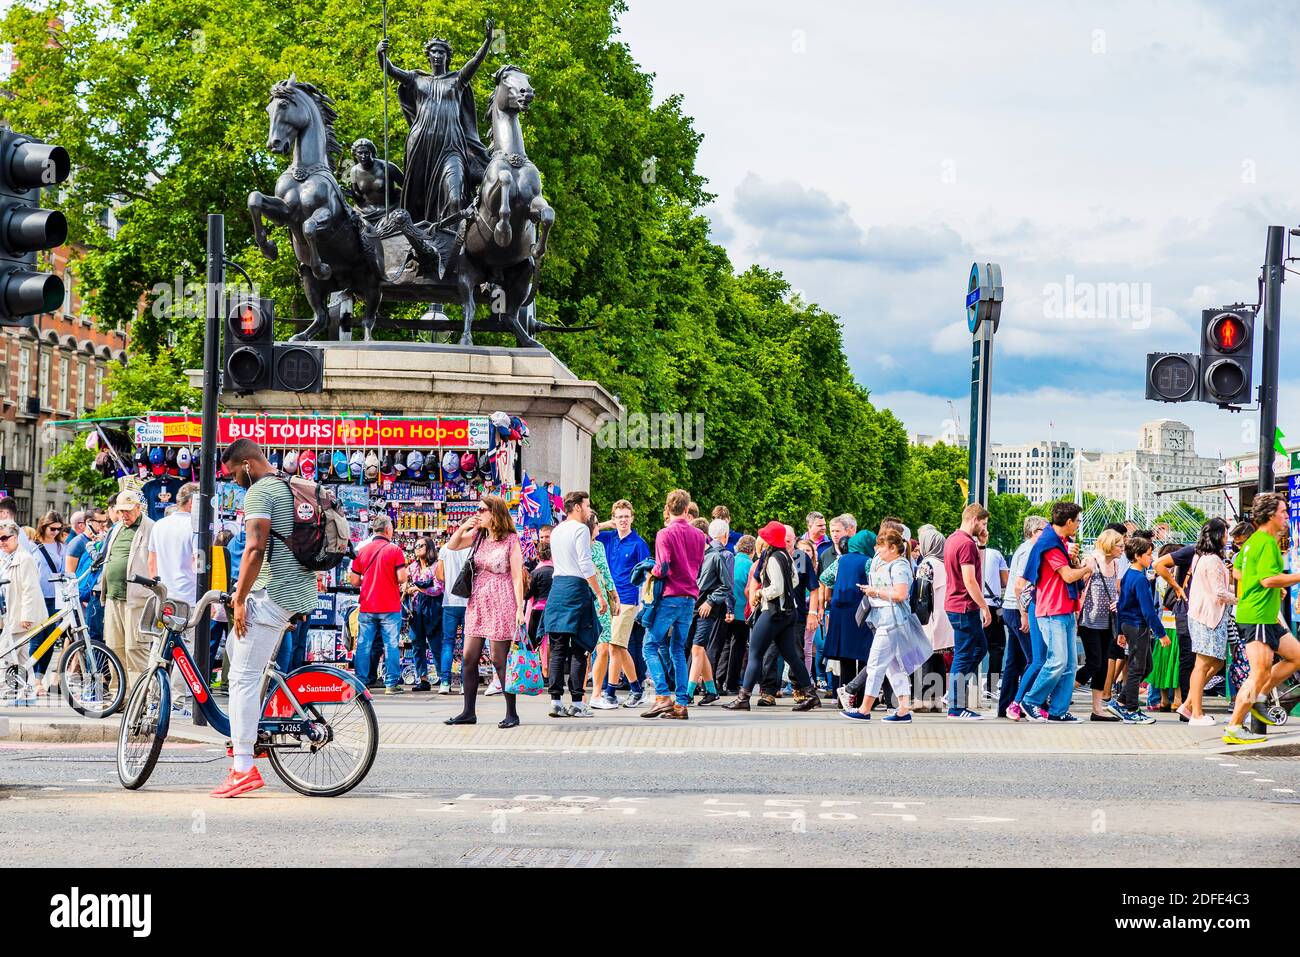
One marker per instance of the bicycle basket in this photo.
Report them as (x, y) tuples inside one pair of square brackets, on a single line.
[(150, 620)]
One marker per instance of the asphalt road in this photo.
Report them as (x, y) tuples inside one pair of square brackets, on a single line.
[(64, 806)]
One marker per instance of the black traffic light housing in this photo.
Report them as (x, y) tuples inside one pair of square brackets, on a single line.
[(1227, 354), (1173, 376), (254, 361), (249, 345), (297, 368), (26, 167)]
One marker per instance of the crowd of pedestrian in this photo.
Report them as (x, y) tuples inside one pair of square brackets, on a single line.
[(857, 619)]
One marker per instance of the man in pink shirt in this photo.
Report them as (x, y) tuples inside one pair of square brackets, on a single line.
[(679, 552)]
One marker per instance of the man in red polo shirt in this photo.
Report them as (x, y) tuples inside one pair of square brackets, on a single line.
[(380, 571)]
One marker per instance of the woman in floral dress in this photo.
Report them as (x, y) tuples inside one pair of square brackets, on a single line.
[(496, 604)]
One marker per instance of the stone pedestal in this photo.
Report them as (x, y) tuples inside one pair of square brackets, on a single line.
[(402, 378)]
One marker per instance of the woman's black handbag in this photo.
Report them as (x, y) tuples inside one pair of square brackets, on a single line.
[(463, 586)]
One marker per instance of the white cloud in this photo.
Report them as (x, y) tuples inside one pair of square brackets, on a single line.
[(874, 165)]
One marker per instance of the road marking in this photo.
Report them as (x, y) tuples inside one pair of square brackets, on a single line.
[(1248, 772), (1264, 781), (981, 819), (1227, 765), (904, 817), (1284, 790)]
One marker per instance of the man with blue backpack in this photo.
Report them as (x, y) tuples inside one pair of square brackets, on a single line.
[(81, 564)]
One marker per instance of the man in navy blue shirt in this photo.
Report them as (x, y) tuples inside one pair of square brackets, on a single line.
[(624, 550)]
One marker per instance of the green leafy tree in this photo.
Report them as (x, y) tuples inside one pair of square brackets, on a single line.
[(162, 105), (149, 383), (932, 493)]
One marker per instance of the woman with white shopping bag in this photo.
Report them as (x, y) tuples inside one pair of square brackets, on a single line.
[(900, 645)]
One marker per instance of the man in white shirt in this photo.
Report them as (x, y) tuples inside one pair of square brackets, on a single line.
[(171, 558), (447, 570), (569, 618)]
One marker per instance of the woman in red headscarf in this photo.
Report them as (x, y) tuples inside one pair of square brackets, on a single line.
[(778, 622)]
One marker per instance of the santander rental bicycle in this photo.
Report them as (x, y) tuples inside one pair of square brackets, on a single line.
[(91, 676), (317, 726)]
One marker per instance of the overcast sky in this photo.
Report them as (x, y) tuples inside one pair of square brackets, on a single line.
[(1121, 161)]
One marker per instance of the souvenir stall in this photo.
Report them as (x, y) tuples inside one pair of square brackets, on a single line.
[(426, 473)]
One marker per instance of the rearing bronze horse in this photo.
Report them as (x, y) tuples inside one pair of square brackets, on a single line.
[(505, 241), (327, 237)]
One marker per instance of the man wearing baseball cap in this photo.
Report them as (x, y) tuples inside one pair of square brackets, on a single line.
[(126, 554)]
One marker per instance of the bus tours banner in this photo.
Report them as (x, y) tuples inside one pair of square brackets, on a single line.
[(302, 432)]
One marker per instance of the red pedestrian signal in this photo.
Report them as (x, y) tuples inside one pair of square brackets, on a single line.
[(1227, 332), (1227, 354)]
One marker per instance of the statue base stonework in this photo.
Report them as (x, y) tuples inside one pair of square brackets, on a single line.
[(414, 379)]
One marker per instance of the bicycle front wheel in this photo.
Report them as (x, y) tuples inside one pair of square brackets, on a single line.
[(342, 761), (144, 728), (93, 680)]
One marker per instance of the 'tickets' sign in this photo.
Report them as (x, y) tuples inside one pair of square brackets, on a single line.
[(288, 432)]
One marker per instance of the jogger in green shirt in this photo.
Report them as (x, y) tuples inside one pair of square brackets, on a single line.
[(1259, 619)]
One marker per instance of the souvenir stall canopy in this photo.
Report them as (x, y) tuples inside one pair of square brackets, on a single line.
[(426, 473)]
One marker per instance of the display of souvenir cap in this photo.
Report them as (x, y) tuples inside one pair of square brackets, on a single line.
[(499, 419), (468, 462), (399, 461), (142, 461), (290, 463), (414, 463), (388, 468), (357, 463), (307, 465), (183, 461), (451, 464), (339, 462), (157, 460), (371, 473), (275, 460), (92, 441), (169, 462)]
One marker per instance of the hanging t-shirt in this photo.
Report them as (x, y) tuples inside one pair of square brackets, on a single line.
[(159, 495)]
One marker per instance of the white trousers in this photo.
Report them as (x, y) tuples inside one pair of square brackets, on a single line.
[(246, 661), (883, 663)]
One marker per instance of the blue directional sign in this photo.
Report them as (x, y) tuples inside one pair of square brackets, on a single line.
[(984, 295)]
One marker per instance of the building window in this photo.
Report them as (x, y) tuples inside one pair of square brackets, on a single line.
[(24, 374), (43, 379), (65, 373), (99, 386), (81, 385)]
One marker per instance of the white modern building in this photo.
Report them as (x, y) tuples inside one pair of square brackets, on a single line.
[(1164, 459), (1042, 471)]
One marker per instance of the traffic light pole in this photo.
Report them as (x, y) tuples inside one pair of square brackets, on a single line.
[(216, 285), (1271, 348)]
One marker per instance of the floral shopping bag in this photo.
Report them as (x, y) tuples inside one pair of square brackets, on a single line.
[(524, 669)]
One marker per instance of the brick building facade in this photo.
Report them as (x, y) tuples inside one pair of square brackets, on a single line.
[(54, 371)]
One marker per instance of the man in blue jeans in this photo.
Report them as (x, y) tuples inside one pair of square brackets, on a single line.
[(1018, 656), (679, 552), (380, 571), (966, 607), (1053, 567)]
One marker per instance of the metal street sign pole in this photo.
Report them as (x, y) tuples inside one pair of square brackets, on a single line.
[(984, 294), (216, 285)]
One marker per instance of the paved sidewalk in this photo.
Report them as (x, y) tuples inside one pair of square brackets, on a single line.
[(414, 721)]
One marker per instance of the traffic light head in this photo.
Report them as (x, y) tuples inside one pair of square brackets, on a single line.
[(26, 167), (250, 338), (1227, 353)]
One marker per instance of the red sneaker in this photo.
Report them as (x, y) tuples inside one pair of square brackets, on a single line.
[(236, 784)]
